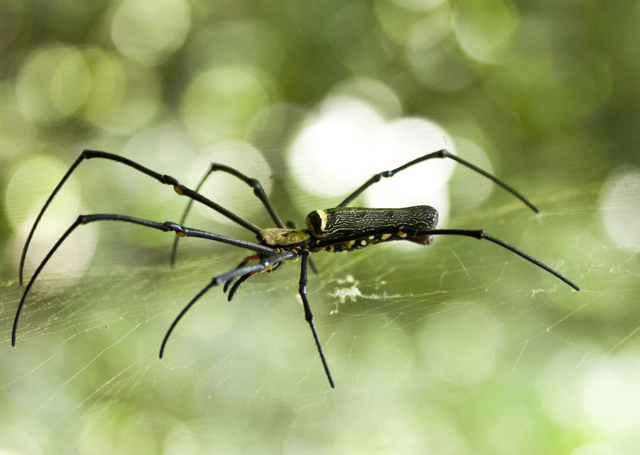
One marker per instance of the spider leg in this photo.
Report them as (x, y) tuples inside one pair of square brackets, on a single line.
[(237, 284), (165, 227), (439, 154), (293, 225), (242, 264), (266, 264), (481, 234), (253, 183), (165, 179), (309, 316), (242, 279)]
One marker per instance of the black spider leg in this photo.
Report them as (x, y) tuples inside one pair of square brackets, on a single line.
[(481, 234), (292, 225), (165, 227), (165, 179), (244, 278), (309, 316), (237, 284), (242, 264), (439, 154), (253, 183), (259, 192), (478, 234), (268, 262)]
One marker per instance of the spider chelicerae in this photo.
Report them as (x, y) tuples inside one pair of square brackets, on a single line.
[(336, 229)]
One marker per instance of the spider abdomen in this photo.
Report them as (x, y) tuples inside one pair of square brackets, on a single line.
[(350, 221)]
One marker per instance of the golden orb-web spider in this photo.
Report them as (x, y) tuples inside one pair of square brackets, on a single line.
[(334, 230)]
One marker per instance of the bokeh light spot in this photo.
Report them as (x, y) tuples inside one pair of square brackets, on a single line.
[(611, 399), (423, 184), (108, 87), (336, 145), (375, 93), (228, 191), (620, 206), (485, 29), (150, 30), (469, 188), (220, 103), (53, 83), (419, 5), (31, 184), (561, 381), (346, 141), (70, 83), (125, 112), (16, 441), (29, 187), (430, 31), (442, 68)]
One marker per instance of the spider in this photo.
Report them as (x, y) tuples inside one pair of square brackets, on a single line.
[(337, 229)]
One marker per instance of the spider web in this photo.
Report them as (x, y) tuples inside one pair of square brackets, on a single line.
[(444, 349)]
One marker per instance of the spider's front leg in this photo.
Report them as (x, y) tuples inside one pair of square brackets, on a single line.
[(167, 226), (245, 277), (162, 178), (266, 263), (242, 264)]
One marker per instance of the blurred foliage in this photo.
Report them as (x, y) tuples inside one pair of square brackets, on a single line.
[(546, 91)]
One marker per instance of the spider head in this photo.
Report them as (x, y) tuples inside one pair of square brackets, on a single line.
[(276, 237)]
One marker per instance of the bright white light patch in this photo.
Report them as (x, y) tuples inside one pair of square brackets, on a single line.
[(620, 206), (611, 399), (560, 383), (423, 184), (470, 189), (333, 153)]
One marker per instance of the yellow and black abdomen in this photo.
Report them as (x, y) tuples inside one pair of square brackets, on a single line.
[(353, 221)]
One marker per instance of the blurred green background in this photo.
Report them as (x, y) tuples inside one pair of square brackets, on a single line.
[(455, 348)]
